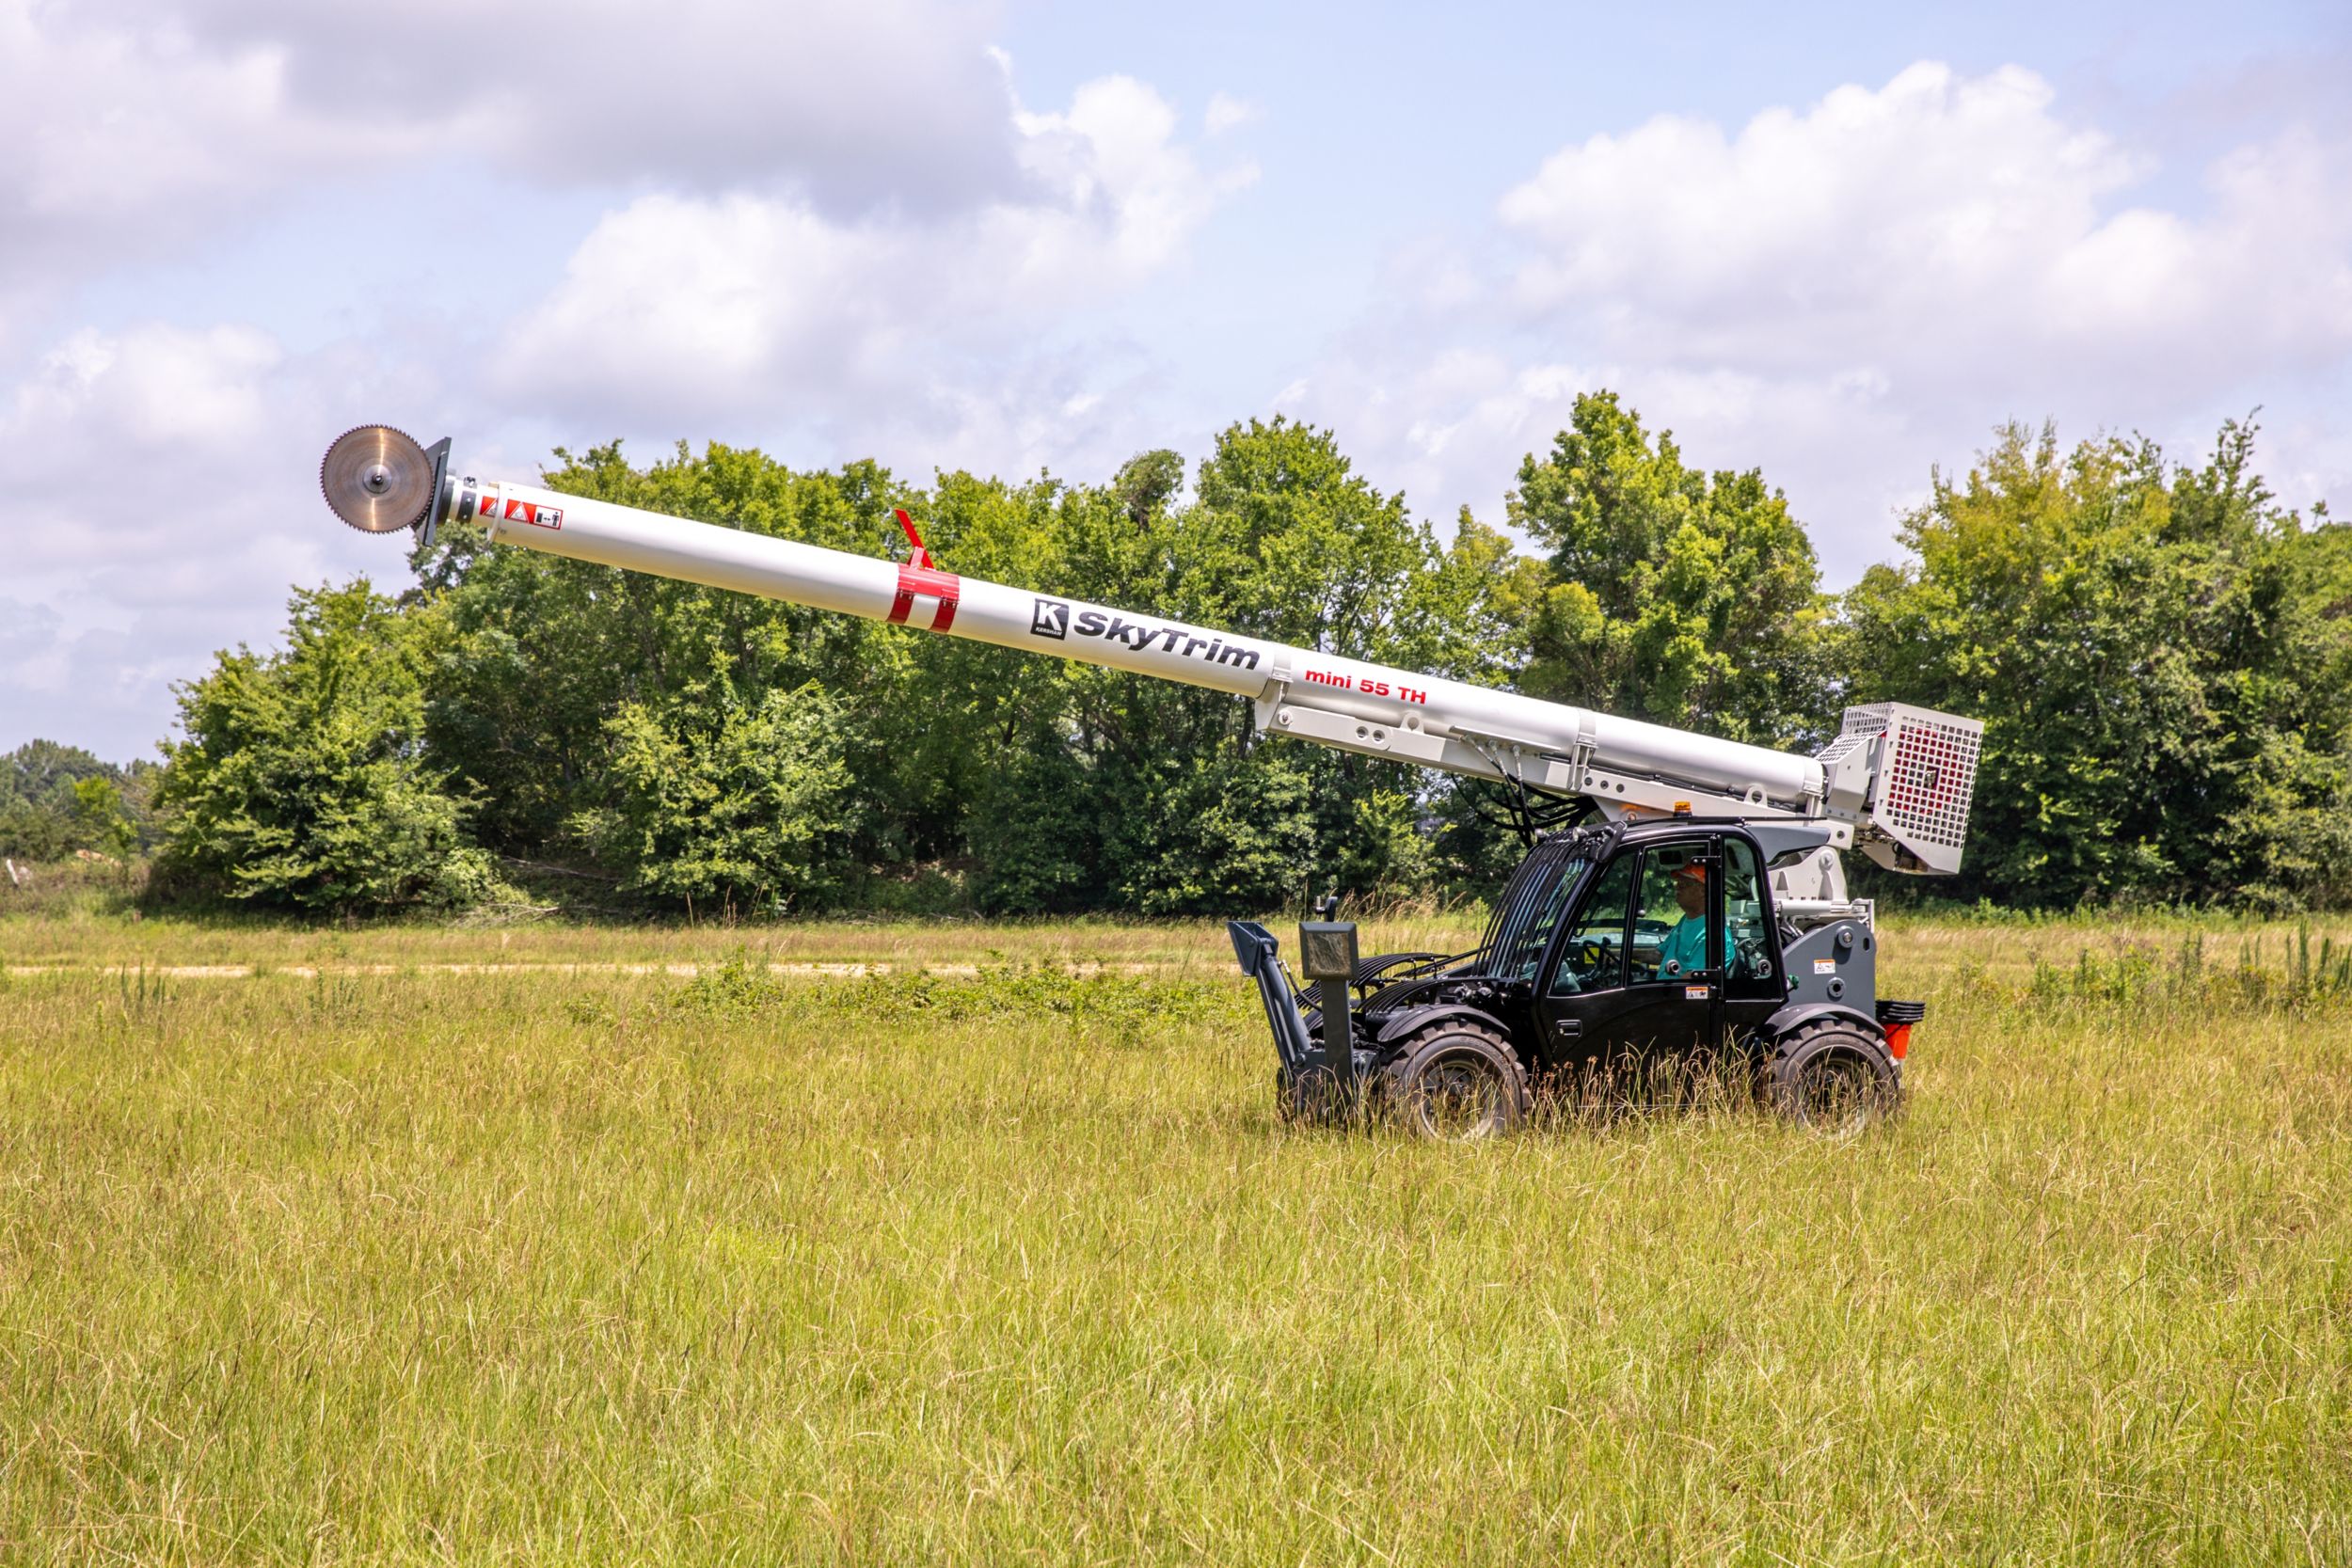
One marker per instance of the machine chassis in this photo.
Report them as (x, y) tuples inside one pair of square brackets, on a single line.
[(1756, 1007)]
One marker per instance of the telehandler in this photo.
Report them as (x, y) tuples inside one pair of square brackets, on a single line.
[(1681, 896)]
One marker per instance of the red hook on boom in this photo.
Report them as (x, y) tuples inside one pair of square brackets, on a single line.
[(906, 525)]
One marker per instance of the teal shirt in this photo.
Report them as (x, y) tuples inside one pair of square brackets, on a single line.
[(1685, 945)]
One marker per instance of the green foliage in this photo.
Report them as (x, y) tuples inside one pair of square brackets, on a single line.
[(30, 831), (54, 800), (543, 653), (303, 781), (1280, 541), (2312, 978), (2161, 676), (1225, 833), (103, 822), (1675, 596), (2162, 658), (644, 724), (724, 802), (1107, 1006), (1035, 830), (1159, 797), (739, 984)]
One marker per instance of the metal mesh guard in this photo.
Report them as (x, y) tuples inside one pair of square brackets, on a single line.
[(1926, 779)]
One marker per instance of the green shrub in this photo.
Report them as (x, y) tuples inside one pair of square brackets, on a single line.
[(728, 803), (303, 781)]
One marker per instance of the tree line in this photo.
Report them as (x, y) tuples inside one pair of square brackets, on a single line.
[(2161, 652), (55, 799)]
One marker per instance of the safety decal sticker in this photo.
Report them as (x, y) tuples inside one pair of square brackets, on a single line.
[(1695, 994), (528, 511), (1826, 966)]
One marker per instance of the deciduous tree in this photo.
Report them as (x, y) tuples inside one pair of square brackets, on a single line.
[(1677, 595), (2156, 661), (303, 779)]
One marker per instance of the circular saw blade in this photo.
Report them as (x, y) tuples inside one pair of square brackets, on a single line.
[(377, 480)]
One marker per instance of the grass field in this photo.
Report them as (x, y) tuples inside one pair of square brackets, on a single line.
[(378, 1261)]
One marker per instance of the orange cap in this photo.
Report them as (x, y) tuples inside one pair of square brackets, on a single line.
[(1695, 871)]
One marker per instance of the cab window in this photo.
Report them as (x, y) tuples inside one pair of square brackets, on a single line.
[(1593, 957), (1670, 933), (1533, 910), (1746, 954)]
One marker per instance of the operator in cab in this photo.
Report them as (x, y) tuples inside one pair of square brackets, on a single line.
[(1684, 951)]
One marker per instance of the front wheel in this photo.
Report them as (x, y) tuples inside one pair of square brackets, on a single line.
[(1833, 1078), (1457, 1082)]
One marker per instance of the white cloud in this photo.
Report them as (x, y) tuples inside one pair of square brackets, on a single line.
[(123, 144), (1847, 294), (132, 129), (1929, 185), (159, 389), (1121, 196), (683, 313), (161, 496), (1941, 220), (860, 101), (1226, 113)]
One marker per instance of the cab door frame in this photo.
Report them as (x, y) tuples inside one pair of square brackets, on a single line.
[(1768, 993), (1718, 971), (1576, 1025)]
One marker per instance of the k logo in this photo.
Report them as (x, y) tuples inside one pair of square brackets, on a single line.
[(1050, 619)]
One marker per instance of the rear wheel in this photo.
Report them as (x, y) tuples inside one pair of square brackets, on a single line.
[(1457, 1082), (1830, 1077)]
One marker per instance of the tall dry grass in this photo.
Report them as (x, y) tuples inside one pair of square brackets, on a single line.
[(575, 1267)]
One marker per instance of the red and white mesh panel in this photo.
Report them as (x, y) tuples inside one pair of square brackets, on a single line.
[(1926, 773)]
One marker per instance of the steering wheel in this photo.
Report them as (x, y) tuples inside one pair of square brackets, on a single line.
[(1751, 960)]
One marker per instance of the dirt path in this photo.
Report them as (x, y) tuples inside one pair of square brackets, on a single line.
[(680, 970)]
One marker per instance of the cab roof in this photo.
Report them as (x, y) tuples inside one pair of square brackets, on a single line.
[(1775, 839)]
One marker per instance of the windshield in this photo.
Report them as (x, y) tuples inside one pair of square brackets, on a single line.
[(1531, 909)]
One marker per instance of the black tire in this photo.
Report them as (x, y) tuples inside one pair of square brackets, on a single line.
[(1455, 1082), (1832, 1077)]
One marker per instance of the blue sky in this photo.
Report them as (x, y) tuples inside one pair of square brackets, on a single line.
[(1830, 242)]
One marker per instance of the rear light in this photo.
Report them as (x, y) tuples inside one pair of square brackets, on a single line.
[(1895, 1021)]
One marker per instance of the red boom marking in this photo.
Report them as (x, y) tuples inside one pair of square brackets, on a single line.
[(943, 586)]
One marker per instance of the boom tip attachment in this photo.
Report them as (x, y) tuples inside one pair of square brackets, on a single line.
[(378, 479)]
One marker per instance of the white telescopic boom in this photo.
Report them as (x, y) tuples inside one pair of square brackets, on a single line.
[(1622, 764), (1342, 701)]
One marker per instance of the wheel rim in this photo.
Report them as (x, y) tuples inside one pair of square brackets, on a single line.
[(1835, 1095), (1458, 1099)]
